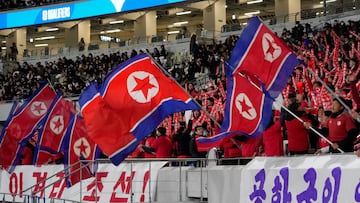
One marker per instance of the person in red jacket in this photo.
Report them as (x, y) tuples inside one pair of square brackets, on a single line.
[(148, 142), (273, 138), (138, 152), (231, 147), (162, 146), (297, 133), (341, 127), (251, 147)]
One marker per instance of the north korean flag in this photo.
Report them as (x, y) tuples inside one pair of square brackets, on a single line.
[(22, 124), (249, 109), (247, 112), (80, 152), (260, 53), (133, 100), (53, 129)]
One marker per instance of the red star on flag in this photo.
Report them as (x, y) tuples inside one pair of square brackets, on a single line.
[(271, 49), (82, 147), (38, 108), (244, 106), (144, 85), (57, 123)]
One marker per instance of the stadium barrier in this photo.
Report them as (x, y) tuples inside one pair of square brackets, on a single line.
[(323, 178)]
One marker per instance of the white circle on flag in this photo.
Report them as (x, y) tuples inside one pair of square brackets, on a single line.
[(245, 107), (142, 86), (57, 124), (82, 147), (38, 108), (271, 50)]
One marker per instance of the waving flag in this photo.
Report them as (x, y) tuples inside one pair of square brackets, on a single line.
[(260, 65), (257, 72), (260, 53), (133, 100), (52, 131), (22, 124), (80, 152), (249, 110)]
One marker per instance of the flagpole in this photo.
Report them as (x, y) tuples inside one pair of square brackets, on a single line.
[(310, 127), (50, 84), (197, 103)]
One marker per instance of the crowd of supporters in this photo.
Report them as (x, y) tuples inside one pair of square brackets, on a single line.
[(322, 98), (324, 93)]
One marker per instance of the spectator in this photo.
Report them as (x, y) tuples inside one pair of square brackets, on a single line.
[(191, 89), (138, 152), (273, 138), (162, 145), (194, 48), (82, 44), (323, 116), (156, 53), (194, 152), (163, 51), (231, 147), (182, 141), (341, 128), (147, 144), (297, 133), (13, 51), (251, 147)]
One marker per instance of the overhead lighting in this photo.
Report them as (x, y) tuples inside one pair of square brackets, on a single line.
[(116, 22), (173, 32), (45, 38), (4, 41), (52, 29), (328, 1), (183, 13), (181, 23), (254, 2), (252, 13), (41, 45), (3, 48), (110, 31), (105, 38)]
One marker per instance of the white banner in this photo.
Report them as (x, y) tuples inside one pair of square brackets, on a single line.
[(330, 178), (224, 183), (127, 182)]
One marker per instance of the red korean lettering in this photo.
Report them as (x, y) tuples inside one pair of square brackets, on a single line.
[(94, 185), (15, 184), (40, 183), (146, 180), (58, 187), (125, 185)]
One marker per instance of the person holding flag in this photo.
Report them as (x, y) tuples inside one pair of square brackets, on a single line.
[(340, 128), (257, 72)]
